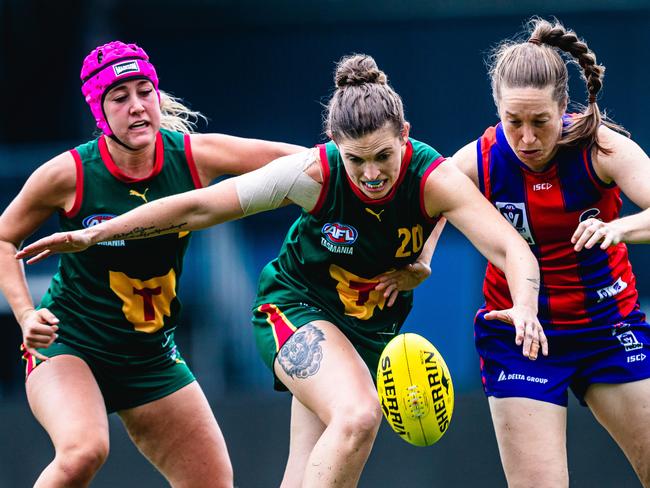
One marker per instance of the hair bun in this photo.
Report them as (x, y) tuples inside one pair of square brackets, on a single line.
[(358, 69)]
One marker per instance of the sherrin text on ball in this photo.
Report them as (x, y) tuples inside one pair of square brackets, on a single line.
[(415, 389)]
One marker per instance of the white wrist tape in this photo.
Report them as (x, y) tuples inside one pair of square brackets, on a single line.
[(267, 187)]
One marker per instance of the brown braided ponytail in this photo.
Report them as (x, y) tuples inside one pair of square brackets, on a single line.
[(538, 64)]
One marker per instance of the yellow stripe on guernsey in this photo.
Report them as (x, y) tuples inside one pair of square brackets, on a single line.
[(357, 294), (145, 303)]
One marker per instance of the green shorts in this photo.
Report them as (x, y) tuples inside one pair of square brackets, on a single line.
[(125, 382), (274, 323)]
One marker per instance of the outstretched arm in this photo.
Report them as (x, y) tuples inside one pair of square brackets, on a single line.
[(193, 210), (450, 192), (284, 180)]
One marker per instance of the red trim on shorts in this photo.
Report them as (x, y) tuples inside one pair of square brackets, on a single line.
[(325, 167), (79, 185), (190, 162), (281, 326), (30, 361), (423, 182), (119, 174)]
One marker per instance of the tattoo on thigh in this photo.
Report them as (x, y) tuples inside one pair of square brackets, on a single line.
[(301, 355)]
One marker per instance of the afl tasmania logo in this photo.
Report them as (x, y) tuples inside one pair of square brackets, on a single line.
[(96, 219), (338, 238), (340, 234)]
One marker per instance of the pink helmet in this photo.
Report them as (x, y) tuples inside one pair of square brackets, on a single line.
[(109, 65)]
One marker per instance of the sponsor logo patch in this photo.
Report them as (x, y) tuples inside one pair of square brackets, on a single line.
[(611, 290), (175, 356), (515, 213), (375, 214), (521, 377), (636, 358), (98, 219), (588, 214), (340, 233), (629, 341), (142, 195), (338, 238), (127, 67), (542, 186)]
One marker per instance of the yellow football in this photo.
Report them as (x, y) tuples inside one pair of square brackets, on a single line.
[(415, 389)]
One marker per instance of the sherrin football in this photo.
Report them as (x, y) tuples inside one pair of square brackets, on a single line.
[(415, 389)]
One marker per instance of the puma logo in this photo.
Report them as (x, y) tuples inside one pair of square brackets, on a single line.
[(374, 214), (139, 195)]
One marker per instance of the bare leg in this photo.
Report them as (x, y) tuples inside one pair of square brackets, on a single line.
[(306, 429), (181, 437), (325, 374), (66, 400), (624, 410), (532, 442)]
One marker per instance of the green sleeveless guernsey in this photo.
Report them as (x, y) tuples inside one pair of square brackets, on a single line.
[(332, 256), (119, 297)]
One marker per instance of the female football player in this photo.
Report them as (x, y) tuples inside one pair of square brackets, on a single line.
[(370, 197), (102, 340), (557, 177)]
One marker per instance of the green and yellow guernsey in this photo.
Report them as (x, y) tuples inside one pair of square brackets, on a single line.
[(119, 297), (332, 256)]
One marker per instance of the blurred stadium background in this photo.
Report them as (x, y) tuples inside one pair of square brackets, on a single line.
[(262, 69)]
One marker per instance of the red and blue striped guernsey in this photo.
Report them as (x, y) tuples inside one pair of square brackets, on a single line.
[(587, 288)]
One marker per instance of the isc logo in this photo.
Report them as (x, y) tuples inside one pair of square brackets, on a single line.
[(340, 233), (542, 186), (636, 357), (96, 219)]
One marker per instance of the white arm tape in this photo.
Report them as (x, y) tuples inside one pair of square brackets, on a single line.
[(267, 187)]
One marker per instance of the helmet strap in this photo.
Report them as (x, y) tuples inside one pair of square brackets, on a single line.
[(112, 136)]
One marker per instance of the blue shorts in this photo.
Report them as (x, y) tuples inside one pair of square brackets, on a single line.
[(578, 358)]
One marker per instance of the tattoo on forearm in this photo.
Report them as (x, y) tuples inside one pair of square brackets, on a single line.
[(535, 282), (301, 355), (142, 232)]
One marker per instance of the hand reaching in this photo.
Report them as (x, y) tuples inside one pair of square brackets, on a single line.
[(592, 231), (61, 242), (528, 330), (406, 278)]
